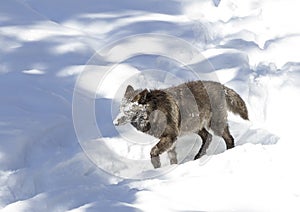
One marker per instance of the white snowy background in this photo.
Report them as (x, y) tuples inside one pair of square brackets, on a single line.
[(254, 47)]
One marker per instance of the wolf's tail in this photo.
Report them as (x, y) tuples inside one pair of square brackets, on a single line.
[(235, 103)]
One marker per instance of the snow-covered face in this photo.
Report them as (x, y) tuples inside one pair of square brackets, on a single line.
[(131, 111)]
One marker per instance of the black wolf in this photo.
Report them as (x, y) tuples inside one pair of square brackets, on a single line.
[(192, 107)]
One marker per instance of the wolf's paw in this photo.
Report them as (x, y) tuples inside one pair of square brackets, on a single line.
[(156, 162)]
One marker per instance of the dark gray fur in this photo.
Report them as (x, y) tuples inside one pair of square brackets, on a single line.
[(192, 107)]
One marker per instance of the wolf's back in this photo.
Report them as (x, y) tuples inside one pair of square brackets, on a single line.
[(235, 103)]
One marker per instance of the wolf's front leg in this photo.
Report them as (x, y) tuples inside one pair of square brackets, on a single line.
[(172, 155), (163, 145)]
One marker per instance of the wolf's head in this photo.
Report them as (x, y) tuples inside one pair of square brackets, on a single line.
[(133, 109)]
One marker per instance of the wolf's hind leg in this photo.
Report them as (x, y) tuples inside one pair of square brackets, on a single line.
[(172, 155), (206, 140), (228, 138), (163, 145)]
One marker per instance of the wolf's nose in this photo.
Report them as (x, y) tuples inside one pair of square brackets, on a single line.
[(116, 122)]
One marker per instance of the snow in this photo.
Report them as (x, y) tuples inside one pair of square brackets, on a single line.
[(64, 66)]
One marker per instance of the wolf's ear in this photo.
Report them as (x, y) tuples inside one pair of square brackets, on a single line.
[(141, 98), (129, 90)]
